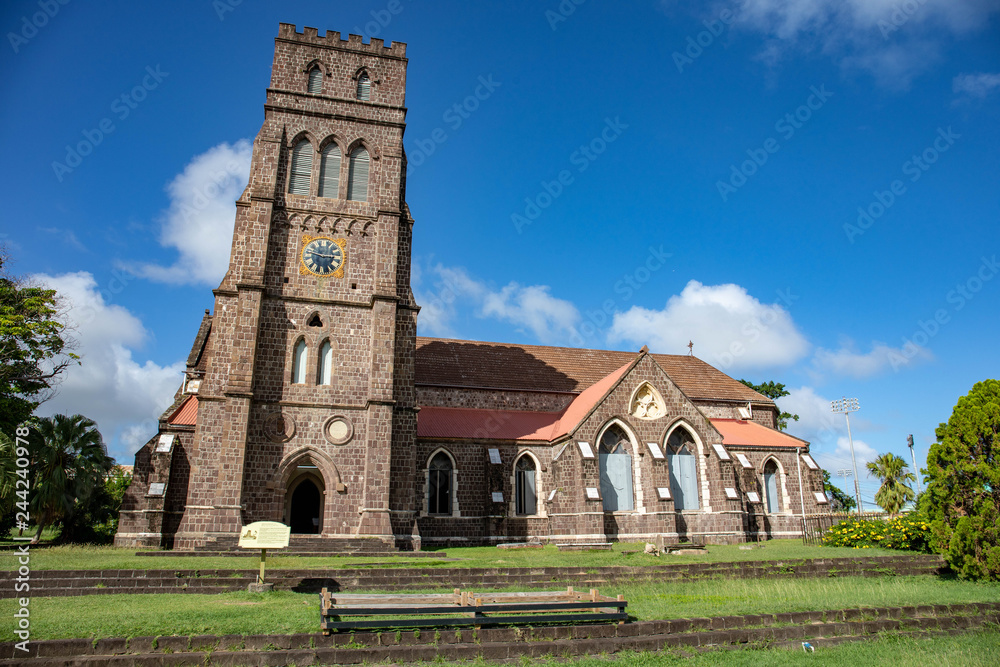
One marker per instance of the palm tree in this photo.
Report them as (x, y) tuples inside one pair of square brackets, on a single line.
[(69, 461), (895, 491)]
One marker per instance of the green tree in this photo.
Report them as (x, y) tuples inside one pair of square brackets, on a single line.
[(840, 501), (96, 519), (69, 464), (963, 493), (8, 483), (774, 391), (895, 491), (33, 347)]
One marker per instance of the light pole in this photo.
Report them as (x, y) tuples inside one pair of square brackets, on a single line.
[(916, 471), (845, 473), (846, 406)]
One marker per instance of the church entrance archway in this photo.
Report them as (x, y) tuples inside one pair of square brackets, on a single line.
[(305, 506)]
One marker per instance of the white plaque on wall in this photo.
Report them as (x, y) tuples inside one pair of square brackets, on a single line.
[(165, 443), (731, 493), (585, 450), (809, 462), (663, 492), (592, 493), (498, 496), (753, 497), (655, 450), (494, 455), (744, 461), (721, 451), (156, 489), (820, 497), (552, 494)]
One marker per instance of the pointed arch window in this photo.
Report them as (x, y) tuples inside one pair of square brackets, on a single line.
[(329, 172), (300, 175), (300, 357), (616, 470), (683, 469), (357, 175), (315, 81), (326, 363), (364, 86), (525, 486), (771, 476), (439, 484)]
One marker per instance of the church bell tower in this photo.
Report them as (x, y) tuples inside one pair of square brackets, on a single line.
[(306, 413)]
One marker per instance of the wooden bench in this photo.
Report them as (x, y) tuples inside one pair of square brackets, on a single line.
[(465, 608)]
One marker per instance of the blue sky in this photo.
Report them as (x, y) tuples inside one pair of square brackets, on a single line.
[(613, 175)]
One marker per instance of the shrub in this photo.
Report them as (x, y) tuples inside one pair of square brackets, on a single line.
[(909, 532)]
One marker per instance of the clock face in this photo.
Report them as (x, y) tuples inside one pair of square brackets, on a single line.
[(323, 256)]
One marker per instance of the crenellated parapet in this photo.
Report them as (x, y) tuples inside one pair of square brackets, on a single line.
[(333, 39)]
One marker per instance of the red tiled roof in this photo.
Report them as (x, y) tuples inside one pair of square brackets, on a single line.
[(738, 432), (435, 422), (485, 424), (186, 414), (466, 363)]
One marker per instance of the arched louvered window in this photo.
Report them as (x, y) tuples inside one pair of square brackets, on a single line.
[(326, 363), (364, 86), (683, 469), (329, 172), (300, 174), (615, 465), (525, 498), (299, 359), (315, 81), (357, 176)]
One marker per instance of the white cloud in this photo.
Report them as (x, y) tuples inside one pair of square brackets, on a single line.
[(199, 222), (530, 308), (848, 362), (816, 423), (891, 39), (124, 397), (731, 329), (976, 85)]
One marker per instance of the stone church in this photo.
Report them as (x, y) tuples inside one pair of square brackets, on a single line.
[(309, 399)]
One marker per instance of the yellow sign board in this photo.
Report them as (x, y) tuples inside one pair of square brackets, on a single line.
[(264, 535)]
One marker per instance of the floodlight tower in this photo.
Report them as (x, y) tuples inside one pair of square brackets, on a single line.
[(846, 406), (845, 473), (916, 470)]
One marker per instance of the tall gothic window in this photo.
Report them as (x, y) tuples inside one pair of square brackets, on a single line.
[(326, 363), (364, 86), (315, 81), (439, 483), (300, 175), (616, 470), (771, 486), (299, 359), (357, 175), (329, 172), (683, 469), (525, 500)]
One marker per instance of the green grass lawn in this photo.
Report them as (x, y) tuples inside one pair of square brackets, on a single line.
[(978, 649), (287, 612), (108, 558)]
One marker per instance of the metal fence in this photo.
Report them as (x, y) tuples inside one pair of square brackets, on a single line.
[(815, 526)]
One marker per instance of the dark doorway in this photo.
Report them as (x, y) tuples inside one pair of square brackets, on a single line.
[(305, 509)]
